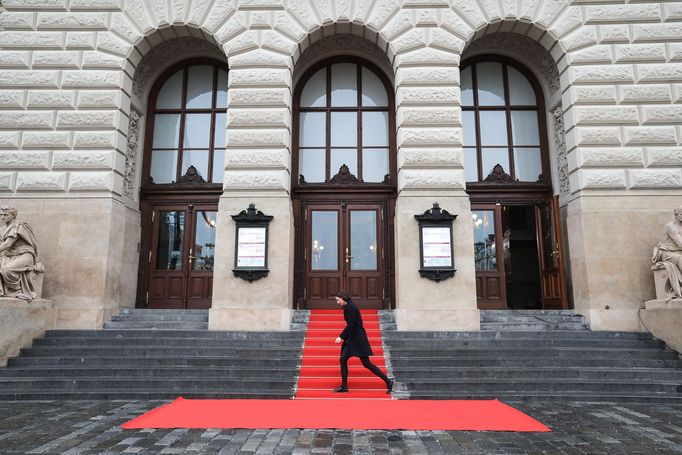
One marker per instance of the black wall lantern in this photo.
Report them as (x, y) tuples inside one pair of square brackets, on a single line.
[(435, 244), (251, 244)]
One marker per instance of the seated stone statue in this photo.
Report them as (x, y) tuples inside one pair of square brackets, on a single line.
[(18, 257), (668, 256)]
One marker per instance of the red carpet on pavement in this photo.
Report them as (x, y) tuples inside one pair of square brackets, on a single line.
[(320, 372), (363, 414)]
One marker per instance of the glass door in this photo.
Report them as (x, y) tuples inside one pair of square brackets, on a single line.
[(181, 257), (201, 257), (344, 250), (489, 257), (364, 256), (549, 254)]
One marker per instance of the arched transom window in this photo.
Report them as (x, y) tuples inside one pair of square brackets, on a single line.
[(501, 124), (343, 119), (189, 123)]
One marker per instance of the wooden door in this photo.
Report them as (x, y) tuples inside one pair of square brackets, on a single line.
[(344, 249), (491, 290), (181, 256), (201, 257), (552, 278)]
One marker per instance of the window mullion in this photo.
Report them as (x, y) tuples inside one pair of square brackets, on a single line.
[(477, 125), (211, 139), (510, 136), (181, 139), (358, 151), (327, 140)]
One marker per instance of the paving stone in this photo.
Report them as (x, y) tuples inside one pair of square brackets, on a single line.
[(93, 428)]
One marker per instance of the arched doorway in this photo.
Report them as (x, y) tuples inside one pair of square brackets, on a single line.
[(182, 177), (517, 244), (343, 186)]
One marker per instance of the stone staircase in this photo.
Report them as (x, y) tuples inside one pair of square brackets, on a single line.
[(530, 320), (534, 356), (154, 354)]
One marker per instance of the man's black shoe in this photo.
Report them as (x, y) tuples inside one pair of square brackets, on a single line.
[(340, 389), (389, 387)]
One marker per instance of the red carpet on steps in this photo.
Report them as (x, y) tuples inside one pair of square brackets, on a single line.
[(320, 372), (377, 414), (366, 407)]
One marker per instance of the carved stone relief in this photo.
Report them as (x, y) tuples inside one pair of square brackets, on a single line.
[(21, 273), (172, 50), (524, 48), (345, 176), (498, 175), (131, 154), (667, 261), (343, 44), (560, 142)]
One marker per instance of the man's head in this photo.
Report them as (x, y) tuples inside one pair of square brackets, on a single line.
[(342, 297), (678, 213), (7, 213)]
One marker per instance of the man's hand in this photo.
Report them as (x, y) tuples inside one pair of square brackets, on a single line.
[(338, 340)]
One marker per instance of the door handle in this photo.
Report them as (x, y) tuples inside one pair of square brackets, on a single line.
[(348, 256)]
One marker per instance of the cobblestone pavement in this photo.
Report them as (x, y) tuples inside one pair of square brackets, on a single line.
[(92, 427)]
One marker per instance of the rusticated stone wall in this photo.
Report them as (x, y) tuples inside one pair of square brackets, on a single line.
[(69, 66)]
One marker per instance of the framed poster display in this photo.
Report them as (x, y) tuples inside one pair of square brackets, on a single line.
[(436, 251), (251, 244)]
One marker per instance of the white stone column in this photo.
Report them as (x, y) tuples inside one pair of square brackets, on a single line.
[(256, 171), (430, 169)]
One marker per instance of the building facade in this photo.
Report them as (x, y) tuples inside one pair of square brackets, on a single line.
[(131, 131)]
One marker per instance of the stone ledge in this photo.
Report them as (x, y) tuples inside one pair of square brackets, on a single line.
[(21, 322), (663, 320), (414, 319), (249, 319)]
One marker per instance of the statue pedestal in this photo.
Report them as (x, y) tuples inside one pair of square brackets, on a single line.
[(21, 322), (660, 277), (664, 319), (674, 304)]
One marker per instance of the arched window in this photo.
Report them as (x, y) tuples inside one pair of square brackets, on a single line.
[(344, 117), (502, 121), (188, 109)]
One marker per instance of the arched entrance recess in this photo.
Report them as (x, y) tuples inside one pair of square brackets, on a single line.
[(517, 245), (182, 175), (343, 186)]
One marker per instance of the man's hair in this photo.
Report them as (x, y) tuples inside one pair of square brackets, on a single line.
[(9, 209), (343, 294)]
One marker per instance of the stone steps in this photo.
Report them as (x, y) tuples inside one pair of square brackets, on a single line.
[(149, 361), (533, 355), (524, 343), (159, 320), (559, 396), (124, 351), (154, 354), (156, 342), (474, 361), (149, 371), (141, 394), (531, 320), (549, 372), (422, 352)]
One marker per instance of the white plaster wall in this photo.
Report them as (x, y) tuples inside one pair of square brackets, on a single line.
[(67, 69)]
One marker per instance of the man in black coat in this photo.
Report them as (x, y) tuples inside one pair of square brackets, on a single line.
[(355, 343)]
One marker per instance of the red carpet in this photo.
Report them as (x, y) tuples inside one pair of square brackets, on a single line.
[(377, 414), (320, 373)]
